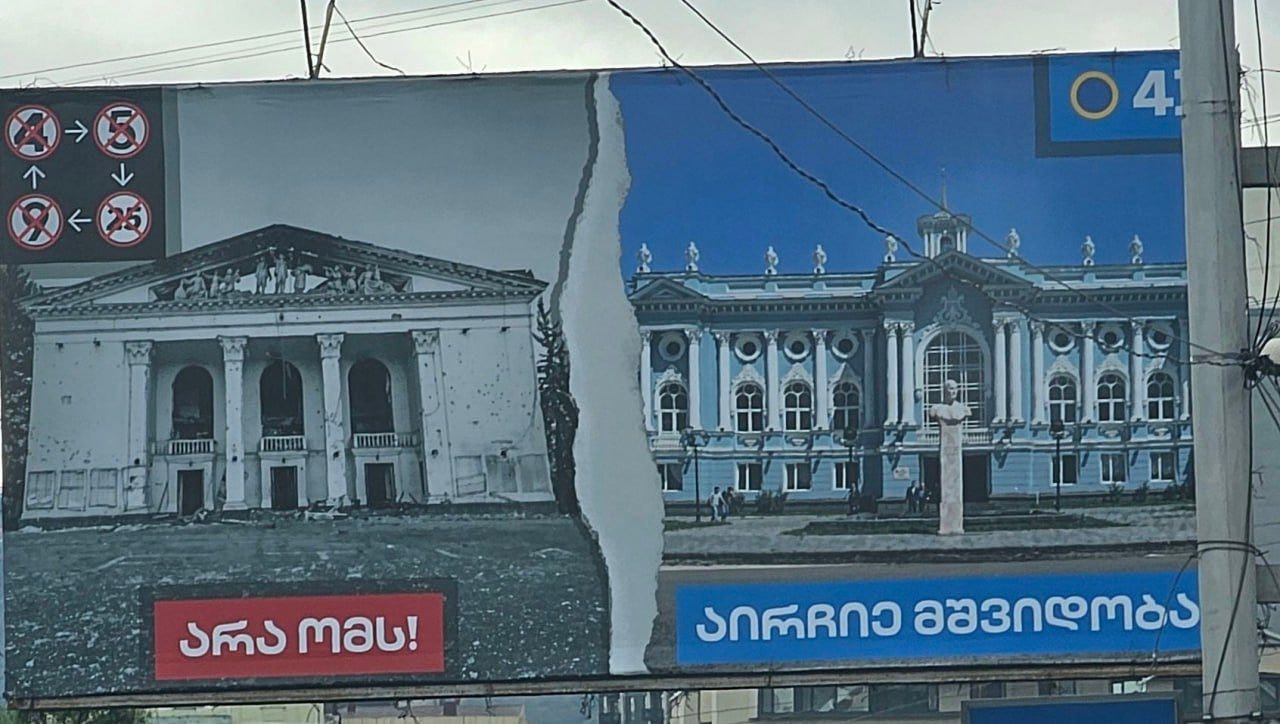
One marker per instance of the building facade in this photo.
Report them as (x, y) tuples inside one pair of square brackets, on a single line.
[(284, 369), (816, 383)]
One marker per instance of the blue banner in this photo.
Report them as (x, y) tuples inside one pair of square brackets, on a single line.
[(1126, 709), (937, 618)]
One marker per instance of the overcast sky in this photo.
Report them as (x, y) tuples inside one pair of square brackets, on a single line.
[(578, 34)]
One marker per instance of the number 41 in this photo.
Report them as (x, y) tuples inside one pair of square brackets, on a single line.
[(1152, 94)]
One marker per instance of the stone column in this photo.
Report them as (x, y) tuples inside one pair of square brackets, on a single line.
[(646, 375), (437, 458), (1015, 372), (1002, 381), (138, 356), (1137, 385), (891, 363), (233, 411), (821, 389), (773, 415), (1037, 373), (907, 401), (951, 477), (868, 376), (695, 377), (1087, 383), (335, 430), (724, 381)]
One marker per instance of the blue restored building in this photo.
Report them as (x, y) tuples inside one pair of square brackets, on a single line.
[(813, 382)]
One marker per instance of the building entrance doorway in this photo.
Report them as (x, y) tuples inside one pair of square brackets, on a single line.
[(284, 487), (190, 491), (380, 484)]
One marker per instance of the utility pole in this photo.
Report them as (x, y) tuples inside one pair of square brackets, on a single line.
[(1218, 314)]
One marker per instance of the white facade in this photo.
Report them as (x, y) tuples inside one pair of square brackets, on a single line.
[(402, 379)]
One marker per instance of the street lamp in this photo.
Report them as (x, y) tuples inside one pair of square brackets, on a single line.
[(690, 438), (849, 438), (1059, 431)]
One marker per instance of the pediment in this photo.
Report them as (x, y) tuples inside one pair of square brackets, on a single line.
[(955, 265), (280, 262), (665, 290)]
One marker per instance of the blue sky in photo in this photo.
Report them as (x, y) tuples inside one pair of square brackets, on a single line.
[(695, 175)]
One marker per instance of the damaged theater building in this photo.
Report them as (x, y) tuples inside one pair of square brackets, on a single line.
[(282, 369)]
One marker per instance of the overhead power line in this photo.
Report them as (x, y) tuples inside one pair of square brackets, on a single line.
[(210, 60), (222, 43), (363, 47)]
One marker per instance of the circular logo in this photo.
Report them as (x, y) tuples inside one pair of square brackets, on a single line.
[(35, 222), (32, 132), (121, 130), (123, 219), (1094, 95)]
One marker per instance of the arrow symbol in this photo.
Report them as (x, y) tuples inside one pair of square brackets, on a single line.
[(76, 220), (79, 131), (123, 177), (35, 174)]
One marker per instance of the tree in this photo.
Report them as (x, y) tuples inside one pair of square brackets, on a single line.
[(15, 386), (559, 410), (74, 716)]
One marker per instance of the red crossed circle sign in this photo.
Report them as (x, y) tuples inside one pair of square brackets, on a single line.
[(32, 132), (35, 222), (123, 219), (121, 130)]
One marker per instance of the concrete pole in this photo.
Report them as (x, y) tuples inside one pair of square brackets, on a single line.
[(1217, 304)]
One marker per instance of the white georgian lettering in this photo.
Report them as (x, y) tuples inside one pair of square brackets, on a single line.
[(383, 643), (358, 638), (822, 615), (753, 621), (1150, 615), (1193, 612), (999, 621), (202, 642), (964, 615), (1063, 612), (782, 620), (895, 618), (281, 639), (223, 637), (311, 629), (849, 608), (714, 635), (1111, 606), (1027, 604), (929, 618)]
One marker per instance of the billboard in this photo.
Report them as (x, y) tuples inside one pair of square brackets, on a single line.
[(547, 379)]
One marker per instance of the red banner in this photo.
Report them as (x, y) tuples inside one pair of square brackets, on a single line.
[(238, 638)]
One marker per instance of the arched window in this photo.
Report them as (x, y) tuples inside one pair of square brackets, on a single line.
[(193, 404), (748, 407), (369, 390), (846, 402), (955, 356), (1160, 398), (797, 407), (673, 407), (1111, 398), (280, 394), (1062, 398)]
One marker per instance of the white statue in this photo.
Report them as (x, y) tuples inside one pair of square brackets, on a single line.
[(890, 249), (645, 257), (1014, 243), (819, 260), (950, 416), (1135, 250), (1087, 250), (770, 262), (691, 255)]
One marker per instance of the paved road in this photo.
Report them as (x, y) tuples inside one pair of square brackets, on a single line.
[(533, 597)]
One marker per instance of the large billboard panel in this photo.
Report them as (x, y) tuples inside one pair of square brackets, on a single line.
[(536, 380)]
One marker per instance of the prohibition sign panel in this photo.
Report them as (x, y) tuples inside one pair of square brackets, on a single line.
[(32, 132), (96, 143), (121, 130), (123, 219), (35, 222)]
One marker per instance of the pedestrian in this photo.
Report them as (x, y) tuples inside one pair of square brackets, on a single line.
[(714, 502), (730, 499), (913, 497)]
